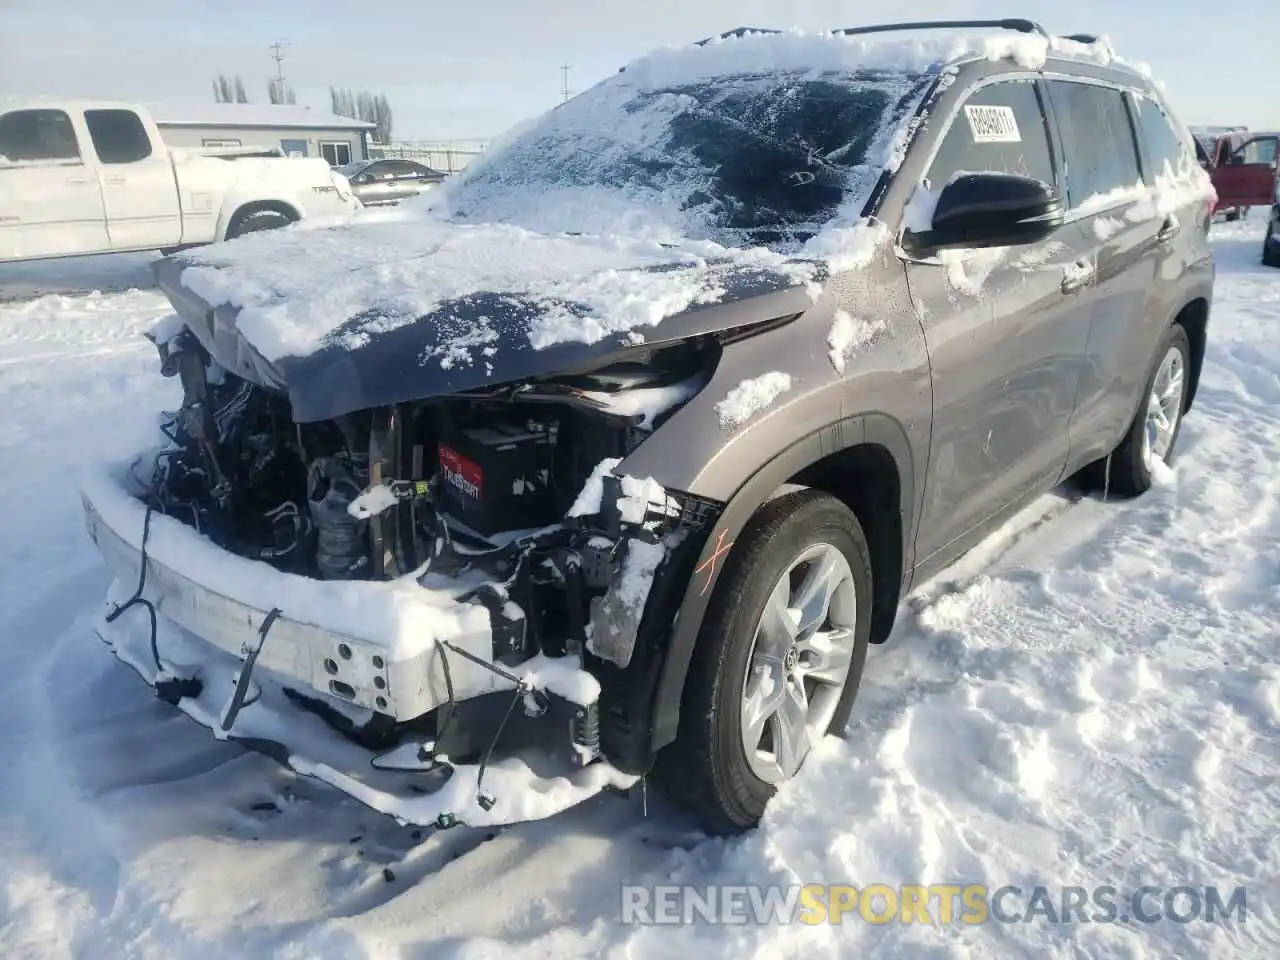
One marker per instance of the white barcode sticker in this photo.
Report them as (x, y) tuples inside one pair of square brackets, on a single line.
[(993, 124)]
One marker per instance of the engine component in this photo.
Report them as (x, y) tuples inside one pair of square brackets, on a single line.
[(342, 542), (496, 478)]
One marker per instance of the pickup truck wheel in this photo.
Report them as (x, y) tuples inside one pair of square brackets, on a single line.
[(257, 220), (777, 663), (1155, 428)]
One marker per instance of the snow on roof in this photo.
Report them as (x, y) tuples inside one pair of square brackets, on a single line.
[(800, 51), (250, 115)]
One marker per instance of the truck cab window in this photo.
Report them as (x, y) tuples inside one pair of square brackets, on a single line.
[(27, 135), (118, 136)]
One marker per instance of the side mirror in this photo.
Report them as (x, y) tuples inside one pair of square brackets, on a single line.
[(992, 210)]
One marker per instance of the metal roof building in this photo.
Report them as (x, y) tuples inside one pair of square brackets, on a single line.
[(288, 128)]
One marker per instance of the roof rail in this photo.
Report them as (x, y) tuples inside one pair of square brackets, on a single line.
[(1081, 38), (1016, 25)]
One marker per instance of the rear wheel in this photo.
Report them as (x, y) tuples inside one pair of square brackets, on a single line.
[(778, 660), (257, 220), (1155, 428)]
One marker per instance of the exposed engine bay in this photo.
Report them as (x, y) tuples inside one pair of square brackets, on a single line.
[(508, 489)]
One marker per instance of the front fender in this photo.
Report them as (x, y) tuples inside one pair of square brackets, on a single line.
[(872, 428)]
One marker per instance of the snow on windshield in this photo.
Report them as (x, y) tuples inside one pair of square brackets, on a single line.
[(766, 158), (756, 151)]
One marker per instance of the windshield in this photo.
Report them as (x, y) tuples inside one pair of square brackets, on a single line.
[(750, 159)]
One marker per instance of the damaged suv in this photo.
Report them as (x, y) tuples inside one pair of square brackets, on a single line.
[(610, 458)]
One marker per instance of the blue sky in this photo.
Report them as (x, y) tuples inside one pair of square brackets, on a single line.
[(472, 68)]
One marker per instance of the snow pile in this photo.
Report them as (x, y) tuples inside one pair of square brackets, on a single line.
[(647, 403), (376, 500), (591, 497), (1104, 228), (296, 290), (751, 396), (848, 335), (639, 498), (562, 676)]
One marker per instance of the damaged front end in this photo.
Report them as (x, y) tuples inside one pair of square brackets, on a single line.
[(431, 605)]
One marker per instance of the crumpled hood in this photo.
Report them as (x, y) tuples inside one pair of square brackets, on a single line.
[(385, 309)]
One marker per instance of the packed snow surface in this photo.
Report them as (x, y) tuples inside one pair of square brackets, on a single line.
[(1091, 698)]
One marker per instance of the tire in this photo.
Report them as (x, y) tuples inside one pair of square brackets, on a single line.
[(706, 769), (1130, 468), (1232, 215), (256, 221), (1270, 254)]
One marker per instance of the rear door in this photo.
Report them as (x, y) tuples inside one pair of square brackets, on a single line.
[(1005, 330), (1248, 173), (50, 202), (377, 183), (138, 186), (1110, 202)]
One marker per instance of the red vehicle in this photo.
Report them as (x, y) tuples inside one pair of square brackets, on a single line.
[(1242, 166)]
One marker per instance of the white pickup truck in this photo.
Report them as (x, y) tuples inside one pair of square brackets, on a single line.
[(86, 178)]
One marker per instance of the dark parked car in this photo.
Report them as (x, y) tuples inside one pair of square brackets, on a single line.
[(378, 182), (621, 457)]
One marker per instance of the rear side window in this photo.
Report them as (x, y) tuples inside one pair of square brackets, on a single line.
[(118, 136), (32, 135), (1099, 150), (1000, 129), (1168, 150)]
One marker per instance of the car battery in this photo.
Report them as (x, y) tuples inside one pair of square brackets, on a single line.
[(496, 478)]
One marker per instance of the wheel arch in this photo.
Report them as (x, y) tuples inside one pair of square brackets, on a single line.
[(240, 211), (1194, 319), (838, 459)]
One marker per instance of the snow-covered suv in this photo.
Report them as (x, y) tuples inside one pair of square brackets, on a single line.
[(611, 457)]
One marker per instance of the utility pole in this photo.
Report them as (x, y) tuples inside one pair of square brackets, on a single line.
[(564, 80), (278, 56)]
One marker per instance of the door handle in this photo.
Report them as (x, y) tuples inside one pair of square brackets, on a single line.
[(1168, 230), (1079, 275), (116, 181), (77, 181)]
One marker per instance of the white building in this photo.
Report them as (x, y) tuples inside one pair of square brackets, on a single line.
[(290, 129)]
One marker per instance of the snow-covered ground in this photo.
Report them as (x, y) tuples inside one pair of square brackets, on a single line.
[(1092, 698)]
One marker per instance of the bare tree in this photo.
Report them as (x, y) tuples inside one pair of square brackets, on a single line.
[(366, 106), (223, 91), (229, 90), (280, 92)]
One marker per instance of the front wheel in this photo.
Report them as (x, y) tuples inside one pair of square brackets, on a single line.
[(777, 663)]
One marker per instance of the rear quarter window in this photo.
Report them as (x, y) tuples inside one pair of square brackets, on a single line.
[(1169, 151)]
